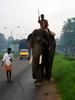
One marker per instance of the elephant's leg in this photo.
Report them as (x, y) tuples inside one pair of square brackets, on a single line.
[(43, 66), (47, 71), (34, 71), (51, 57), (35, 64), (40, 71), (47, 63)]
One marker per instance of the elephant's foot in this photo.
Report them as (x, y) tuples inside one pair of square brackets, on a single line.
[(35, 81), (38, 83), (47, 81)]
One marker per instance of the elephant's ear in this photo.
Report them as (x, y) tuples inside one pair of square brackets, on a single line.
[(30, 40), (29, 37)]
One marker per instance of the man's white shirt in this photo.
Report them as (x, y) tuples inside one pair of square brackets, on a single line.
[(7, 57)]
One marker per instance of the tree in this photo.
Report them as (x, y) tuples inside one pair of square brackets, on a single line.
[(15, 42), (67, 39), (3, 42)]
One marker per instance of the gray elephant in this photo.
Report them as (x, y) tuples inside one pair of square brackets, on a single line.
[(43, 44)]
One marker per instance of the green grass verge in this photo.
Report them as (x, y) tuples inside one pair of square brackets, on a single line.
[(1, 55), (64, 74)]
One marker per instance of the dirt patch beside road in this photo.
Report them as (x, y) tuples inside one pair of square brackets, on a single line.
[(49, 91)]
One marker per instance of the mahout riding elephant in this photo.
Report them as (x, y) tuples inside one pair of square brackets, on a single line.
[(43, 44)]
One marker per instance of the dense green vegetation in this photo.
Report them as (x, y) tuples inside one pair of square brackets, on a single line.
[(3, 42), (64, 74), (10, 42), (64, 66), (1, 55), (67, 38)]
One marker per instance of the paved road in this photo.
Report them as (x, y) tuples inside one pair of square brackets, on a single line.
[(22, 87)]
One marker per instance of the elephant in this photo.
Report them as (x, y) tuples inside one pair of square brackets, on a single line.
[(43, 44)]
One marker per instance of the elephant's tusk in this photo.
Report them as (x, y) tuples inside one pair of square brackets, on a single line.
[(40, 59), (31, 60)]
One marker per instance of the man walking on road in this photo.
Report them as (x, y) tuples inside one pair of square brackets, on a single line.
[(7, 63)]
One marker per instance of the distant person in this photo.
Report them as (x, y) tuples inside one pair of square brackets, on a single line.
[(44, 24), (7, 63)]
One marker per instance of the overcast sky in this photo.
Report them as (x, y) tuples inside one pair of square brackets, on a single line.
[(24, 13)]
